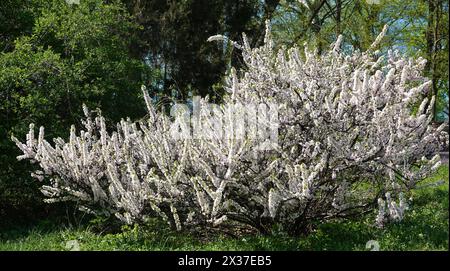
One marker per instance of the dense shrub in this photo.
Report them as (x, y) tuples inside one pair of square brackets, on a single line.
[(345, 143)]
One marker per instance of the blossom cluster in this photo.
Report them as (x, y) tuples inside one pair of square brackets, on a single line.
[(347, 143)]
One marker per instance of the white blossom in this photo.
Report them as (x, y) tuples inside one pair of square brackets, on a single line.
[(342, 120)]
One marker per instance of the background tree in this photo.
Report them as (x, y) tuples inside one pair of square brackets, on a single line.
[(64, 56), (175, 34), (17, 18), (417, 28)]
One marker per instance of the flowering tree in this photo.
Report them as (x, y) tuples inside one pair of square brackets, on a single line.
[(345, 143)]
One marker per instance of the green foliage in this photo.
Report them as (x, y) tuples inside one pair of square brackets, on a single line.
[(94, 39), (72, 54), (17, 17)]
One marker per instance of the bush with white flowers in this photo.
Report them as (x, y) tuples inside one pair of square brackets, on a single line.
[(346, 144)]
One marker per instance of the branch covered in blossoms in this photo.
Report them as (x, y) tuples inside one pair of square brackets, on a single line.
[(340, 141)]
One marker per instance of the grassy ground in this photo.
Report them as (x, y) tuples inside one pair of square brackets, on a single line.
[(426, 227)]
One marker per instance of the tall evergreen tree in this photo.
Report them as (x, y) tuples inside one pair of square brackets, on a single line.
[(175, 34)]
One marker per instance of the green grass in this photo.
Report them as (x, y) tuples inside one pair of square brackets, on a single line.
[(425, 227)]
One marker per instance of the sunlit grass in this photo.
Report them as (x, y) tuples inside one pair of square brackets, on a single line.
[(425, 227)]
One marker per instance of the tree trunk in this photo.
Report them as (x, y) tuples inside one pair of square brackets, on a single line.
[(432, 39), (338, 17)]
